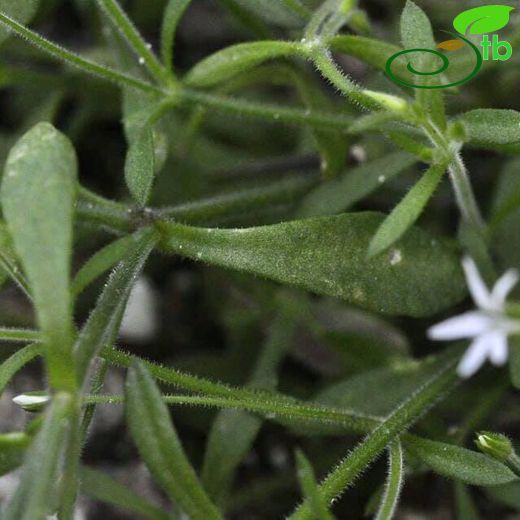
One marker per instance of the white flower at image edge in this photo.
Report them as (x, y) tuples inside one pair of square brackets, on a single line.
[(488, 326)]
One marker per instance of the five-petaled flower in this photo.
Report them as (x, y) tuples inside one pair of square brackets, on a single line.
[(488, 326)]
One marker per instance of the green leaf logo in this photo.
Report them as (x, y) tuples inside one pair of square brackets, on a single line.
[(485, 19)]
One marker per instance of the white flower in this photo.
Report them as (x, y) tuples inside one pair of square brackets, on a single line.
[(488, 326)]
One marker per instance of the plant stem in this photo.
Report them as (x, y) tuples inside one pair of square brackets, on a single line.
[(394, 482), (270, 408), (281, 192), (22, 335), (271, 112), (77, 61), (464, 194), (398, 421), (140, 47)]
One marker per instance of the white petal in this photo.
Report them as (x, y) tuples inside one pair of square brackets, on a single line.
[(474, 357), (467, 325), (477, 287), (499, 351), (504, 286), (140, 319)]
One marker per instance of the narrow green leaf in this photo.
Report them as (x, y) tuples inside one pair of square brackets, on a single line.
[(20, 10), (338, 195), (488, 127), (140, 166), (40, 175), (101, 262), (391, 284), (12, 450), (310, 488), (17, 361), (417, 33), (394, 482), (153, 432), (234, 431), (101, 487), (172, 15), (483, 19), (34, 495), (237, 59), (460, 463), (103, 323), (406, 213)]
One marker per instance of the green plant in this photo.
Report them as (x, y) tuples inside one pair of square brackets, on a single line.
[(302, 231)]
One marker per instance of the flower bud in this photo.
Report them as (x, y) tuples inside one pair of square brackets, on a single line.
[(32, 401), (495, 445)]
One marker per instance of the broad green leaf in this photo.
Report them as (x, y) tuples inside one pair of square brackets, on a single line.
[(160, 447), (12, 450), (327, 255), (488, 127), (483, 19), (146, 135), (17, 361), (338, 195), (140, 166), (309, 487), (417, 33), (34, 495), (406, 213), (234, 431), (371, 51), (460, 463), (38, 195), (172, 15), (104, 321), (416, 29), (103, 488), (394, 482), (237, 59), (101, 262), (22, 11)]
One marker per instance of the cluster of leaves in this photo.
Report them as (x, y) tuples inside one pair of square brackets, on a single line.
[(301, 231)]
